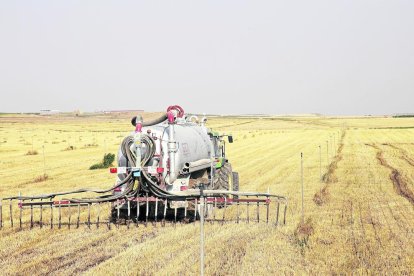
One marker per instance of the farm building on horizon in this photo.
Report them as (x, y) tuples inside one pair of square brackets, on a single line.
[(49, 112), (121, 111)]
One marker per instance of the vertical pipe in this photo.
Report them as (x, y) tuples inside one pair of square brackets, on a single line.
[(129, 211), (175, 216), (69, 214), (156, 210), (195, 209), (118, 211), (89, 215), (51, 215), (267, 209), (146, 210), (248, 214), (258, 210), (78, 219), (11, 214), (60, 216), (224, 211), (31, 215), (277, 213), (20, 212), (165, 211), (206, 203), (41, 215), (172, 149), (301, 173), (215, 207), (213, 210), (238, 210), (99, 212), (110, 216), (284, 215)]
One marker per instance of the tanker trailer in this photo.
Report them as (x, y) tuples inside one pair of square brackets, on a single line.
[(171, 154)]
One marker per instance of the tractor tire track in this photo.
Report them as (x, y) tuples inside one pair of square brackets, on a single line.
[(390, 232), (393, 235), (358, 252), (400, 248), (372, 218), (347, 222), (406, 214), (397, 179), (403, 222), (351, 222), (399, 185), (369, 252), (373, 223)]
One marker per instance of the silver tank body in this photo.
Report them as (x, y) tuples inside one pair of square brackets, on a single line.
[(192, 144)]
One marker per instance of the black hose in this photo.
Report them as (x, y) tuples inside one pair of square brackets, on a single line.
[(126, 192), (86, 190), (150, 123)]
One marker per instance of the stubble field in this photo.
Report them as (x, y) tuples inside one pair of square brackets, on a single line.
[(359, 217)]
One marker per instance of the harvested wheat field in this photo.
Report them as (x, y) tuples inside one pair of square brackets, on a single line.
[(358, 199)]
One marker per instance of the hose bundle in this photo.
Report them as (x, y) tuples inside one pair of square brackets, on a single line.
[(149, 152), (149, 184)]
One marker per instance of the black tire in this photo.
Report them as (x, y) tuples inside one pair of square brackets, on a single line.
[(222, 177), (235, 184)]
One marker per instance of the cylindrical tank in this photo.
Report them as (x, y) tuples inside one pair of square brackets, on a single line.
[(192, 143)]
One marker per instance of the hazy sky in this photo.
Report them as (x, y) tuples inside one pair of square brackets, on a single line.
[(332, 57)]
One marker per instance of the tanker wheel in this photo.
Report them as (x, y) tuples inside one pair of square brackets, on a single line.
[(223, 177), (222, 181)]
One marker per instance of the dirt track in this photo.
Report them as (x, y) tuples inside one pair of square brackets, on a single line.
[(404, 154), (397, 179), (329, 177), (322, 196)]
